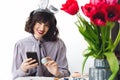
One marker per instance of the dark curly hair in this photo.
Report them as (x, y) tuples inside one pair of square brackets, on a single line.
[(47, 18)]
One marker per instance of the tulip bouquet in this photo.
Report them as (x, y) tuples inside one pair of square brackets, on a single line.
[(102, 15)]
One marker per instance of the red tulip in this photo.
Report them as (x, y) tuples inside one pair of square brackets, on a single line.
[(99, 18), (96, 2), (111, 1), (88, 9), (113, 12), (71, 7)]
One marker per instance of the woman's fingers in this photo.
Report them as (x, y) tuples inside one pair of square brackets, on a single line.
[(27, 60), (28, 64), (32, 62), (49, 63), (32, 65)]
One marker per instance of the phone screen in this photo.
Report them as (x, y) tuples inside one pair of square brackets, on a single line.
[(32, 55)]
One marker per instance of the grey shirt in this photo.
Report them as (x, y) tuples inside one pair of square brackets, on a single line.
[(56, 50)]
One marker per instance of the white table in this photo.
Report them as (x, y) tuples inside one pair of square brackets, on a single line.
[(41, 78), (35, 78)]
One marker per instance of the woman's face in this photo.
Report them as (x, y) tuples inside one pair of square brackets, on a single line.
[(40, 29)]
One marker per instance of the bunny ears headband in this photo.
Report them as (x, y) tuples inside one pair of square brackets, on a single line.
[(43, 7)]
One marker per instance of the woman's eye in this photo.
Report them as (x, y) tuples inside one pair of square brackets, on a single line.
[(46, 25), (40, 23)]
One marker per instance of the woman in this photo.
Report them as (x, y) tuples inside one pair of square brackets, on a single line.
[(42, 25)]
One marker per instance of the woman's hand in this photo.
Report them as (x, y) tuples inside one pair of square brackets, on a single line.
[(52, 67), (28, 64)]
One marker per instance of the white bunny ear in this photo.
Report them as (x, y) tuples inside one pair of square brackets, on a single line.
[(43, 4), (43, 7), (52, 9)]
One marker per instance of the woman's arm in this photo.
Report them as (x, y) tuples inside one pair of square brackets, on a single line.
[(62, 60), (17, 61)]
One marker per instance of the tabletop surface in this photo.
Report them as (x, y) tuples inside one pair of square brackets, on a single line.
[(47, 78)]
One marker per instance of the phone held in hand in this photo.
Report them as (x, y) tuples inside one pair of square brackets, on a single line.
[(32, 55)]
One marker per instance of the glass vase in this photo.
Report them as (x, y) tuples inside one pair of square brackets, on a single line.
[(100, 71)]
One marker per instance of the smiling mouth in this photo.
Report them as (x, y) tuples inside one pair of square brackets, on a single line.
[(40, 32)]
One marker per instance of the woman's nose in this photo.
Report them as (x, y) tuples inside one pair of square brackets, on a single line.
[(42, 26)]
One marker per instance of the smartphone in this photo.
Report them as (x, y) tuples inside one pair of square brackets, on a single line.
[(32, 55)]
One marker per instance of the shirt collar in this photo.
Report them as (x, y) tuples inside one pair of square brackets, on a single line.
[(37, 41)]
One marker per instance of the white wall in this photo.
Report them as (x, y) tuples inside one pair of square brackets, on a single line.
[(13, 14)]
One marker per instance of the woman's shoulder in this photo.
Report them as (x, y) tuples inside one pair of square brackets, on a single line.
[(24, 40), (60, 40)]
